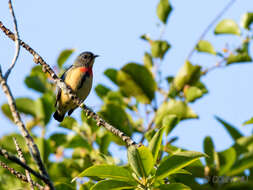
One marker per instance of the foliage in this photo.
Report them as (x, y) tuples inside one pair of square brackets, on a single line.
[(82, 154)]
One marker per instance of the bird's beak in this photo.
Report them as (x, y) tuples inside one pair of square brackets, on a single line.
[(95, 56)]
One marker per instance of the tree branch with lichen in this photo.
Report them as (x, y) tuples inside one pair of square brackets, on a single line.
[(67, 90), (21, 176)]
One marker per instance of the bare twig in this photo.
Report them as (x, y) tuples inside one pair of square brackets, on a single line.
[(14, 60), (20, 176), (22, 158), (16, 160), (67, 90), (28, 138), (217, 17), (216, 66)]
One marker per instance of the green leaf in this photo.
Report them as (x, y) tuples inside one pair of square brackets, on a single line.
[(56, 140), (44, 107), (64, 55), (173, 163), (74, 141), (148, 61), (188, 74), (111, 74), (170, 122), (104, 143), (245, 162), (159, 48), (114, 97), (174, 186), (116, 116), (248, 122), (163, 10), (63, 186), (209, 149), (107, 171), (44, 149), (112, 185), (34, 82), (227, 26), (24, 105), (170, 79), (239, 183), (102, 90), (243, 144), (205, 46), (140, 160), (227, 159), (197, 169), (183, 171), (155, 143), (146, 159), (6, 111), (7, 142), (247, 20), (136, 80), (145, 37), (69, 123), (192, 93), (174, 107), (149, 134), (238, 58), (234, 133)]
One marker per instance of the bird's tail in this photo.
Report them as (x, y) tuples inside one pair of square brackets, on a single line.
[(58, 116)]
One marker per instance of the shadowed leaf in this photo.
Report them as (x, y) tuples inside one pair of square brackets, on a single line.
[(112, 185), (247, 20), (173, 163), (163, 10), (136, 80), (111, 74), (159, 48), (174, 186), (174, 107), (234, 133)]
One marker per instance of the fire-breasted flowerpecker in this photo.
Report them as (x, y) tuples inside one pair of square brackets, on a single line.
[(79, 78)]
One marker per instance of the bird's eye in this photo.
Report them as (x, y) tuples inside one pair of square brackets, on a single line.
[(85, 56)]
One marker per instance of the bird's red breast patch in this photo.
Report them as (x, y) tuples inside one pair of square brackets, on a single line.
[(85, 69)]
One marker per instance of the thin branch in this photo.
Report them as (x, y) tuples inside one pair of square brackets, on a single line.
[(28, 138), (225, 9), (20, 176), (14, 60), (22, 158), (216, 66), (16, 160), (67, 90)]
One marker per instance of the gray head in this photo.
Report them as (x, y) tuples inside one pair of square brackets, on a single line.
[(85, 59)]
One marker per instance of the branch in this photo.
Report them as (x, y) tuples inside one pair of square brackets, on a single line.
[(13, 158), (216, 66), (20, 176), (67, 90), (230, 3), (22, 158), (14, 60), (28, 138)]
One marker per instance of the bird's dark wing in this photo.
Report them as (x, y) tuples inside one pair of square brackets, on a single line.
[(58, 94), (83, 80)]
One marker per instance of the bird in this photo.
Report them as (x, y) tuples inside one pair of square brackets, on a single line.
[(79, 78)]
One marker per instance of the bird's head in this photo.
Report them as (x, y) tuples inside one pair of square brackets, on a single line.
[(85, 59)]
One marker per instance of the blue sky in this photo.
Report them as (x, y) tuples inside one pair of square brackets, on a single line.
[(112, 29)]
